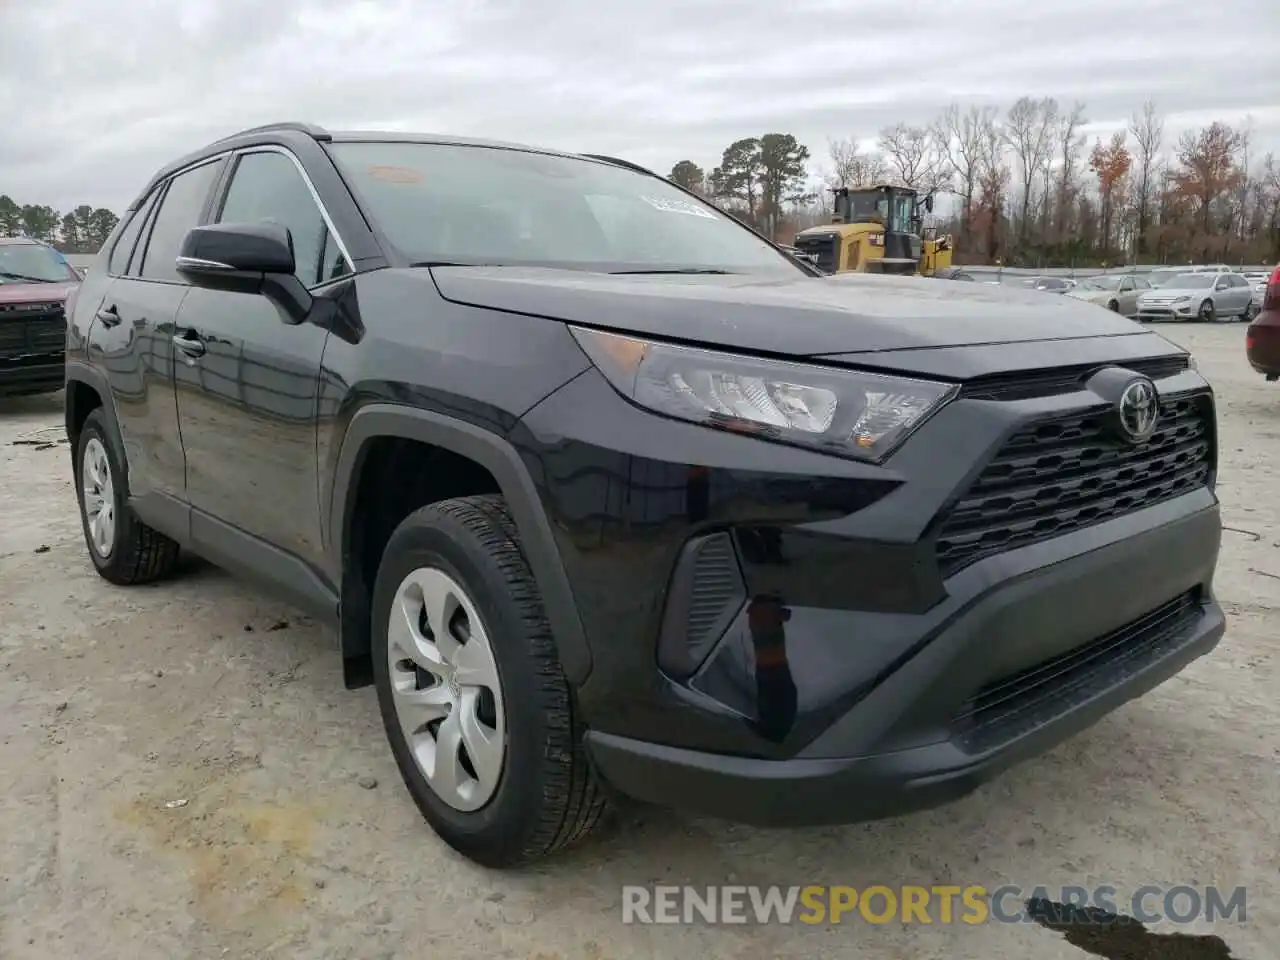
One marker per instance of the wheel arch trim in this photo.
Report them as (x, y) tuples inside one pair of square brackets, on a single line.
[(499, 457)]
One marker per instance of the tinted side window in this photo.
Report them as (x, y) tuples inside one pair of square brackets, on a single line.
[(268, 187), (179, 212), (123, 250)]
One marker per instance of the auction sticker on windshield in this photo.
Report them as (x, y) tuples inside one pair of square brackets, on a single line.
[(678, 206)]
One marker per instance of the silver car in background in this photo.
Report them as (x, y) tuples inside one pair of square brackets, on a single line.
[(1199, 296), (1117, 293)]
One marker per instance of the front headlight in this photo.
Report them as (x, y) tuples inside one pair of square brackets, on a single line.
[(1180, 300), (849, 413)]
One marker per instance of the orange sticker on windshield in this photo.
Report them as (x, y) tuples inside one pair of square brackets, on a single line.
[(396, 174)]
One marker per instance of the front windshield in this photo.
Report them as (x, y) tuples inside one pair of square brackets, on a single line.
[(1191, 281), (32, 263), (443, 203), (1163, 278), (1101, 283)]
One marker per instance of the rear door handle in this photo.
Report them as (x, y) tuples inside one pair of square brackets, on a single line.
[(109, 316), (190, 344)]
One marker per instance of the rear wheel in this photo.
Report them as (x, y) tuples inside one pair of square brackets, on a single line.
[(123, 549), (1250, 312), (1207, 313), (1113, 307), (477, 709)]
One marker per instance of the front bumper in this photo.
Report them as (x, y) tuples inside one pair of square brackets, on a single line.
[(948, 719), (32, 373), (1152, 312), (851, 620)]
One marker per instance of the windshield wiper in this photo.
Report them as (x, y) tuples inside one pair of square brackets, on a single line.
[(22, 276), (684, 270)]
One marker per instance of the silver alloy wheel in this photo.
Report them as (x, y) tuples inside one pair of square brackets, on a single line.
[(446, 690), (98, 491)]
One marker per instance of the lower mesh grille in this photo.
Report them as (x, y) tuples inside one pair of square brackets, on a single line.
[(1002, 710)]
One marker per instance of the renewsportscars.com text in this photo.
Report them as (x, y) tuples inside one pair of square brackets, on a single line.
[(937, 904)]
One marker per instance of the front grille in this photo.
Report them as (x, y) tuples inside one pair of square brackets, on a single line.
[(32, 328), (823, 251), (1058, 475), (1010, 706)]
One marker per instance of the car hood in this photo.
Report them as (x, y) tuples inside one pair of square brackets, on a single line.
[(11, 292), (804, 316), (1172, 293)]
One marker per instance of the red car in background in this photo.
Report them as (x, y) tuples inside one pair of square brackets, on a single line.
[(1262, 340), (35, 282)]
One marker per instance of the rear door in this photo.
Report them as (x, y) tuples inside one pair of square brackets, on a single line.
[(131, 336), (248, 383)]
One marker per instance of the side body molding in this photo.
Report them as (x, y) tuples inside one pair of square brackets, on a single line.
[(495, 454)]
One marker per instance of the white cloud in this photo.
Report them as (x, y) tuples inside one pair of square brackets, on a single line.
[(95, 97)]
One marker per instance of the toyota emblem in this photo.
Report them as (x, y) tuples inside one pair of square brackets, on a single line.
[(1139, 410)]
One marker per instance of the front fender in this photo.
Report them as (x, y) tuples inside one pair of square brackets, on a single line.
[(495, 454)]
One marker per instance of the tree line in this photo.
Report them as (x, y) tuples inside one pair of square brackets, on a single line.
[(81, 230), (1030, 187)]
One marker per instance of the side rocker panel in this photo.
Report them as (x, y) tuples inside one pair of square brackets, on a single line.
[(497, 456)]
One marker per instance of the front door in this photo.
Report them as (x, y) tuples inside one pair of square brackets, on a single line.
[(247, 383)]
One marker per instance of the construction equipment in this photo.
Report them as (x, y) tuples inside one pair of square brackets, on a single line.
[(877, 229)]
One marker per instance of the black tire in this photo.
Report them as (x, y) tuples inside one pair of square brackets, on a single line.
[(548, 796), (138, 554), (1249, 313), (1207, 314), (1113, 307)]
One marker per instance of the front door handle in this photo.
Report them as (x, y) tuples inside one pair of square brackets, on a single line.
[(189, 344), (109, 316)]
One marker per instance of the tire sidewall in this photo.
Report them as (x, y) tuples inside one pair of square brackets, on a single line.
[(445, 544), (1207, 311), (95, 427)]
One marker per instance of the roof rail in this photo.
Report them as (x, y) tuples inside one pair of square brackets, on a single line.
[(620, 163), (310, 129)]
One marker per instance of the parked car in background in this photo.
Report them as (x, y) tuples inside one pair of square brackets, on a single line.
[(1199, 296), (1262, 339), (1047, 284), (35, 282), (1118, 293)]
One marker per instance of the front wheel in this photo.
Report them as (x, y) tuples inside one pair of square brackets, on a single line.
[(480, 717), (1207, 313), (1113, 307)]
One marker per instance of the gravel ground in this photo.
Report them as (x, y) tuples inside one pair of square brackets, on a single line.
[(184, 776)]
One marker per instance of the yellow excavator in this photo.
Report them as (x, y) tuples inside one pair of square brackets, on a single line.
[(877, 230)]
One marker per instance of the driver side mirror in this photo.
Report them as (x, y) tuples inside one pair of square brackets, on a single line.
[(255, 258), (928, 204), (1222, 284)]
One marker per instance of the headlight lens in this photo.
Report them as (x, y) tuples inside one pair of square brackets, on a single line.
[(1182, 300), (849, 413)]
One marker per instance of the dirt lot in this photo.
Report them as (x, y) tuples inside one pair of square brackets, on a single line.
[(184, 776)]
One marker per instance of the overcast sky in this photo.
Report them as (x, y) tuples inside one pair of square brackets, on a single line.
[(95, 95)]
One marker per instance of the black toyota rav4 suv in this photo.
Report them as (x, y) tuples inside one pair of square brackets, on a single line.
[(607, 495)]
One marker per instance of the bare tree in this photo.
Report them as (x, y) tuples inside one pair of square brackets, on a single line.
[(912, 156), (1030, 128), (1070, 141), (852, 167), (959, 138), (1147, 128)]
